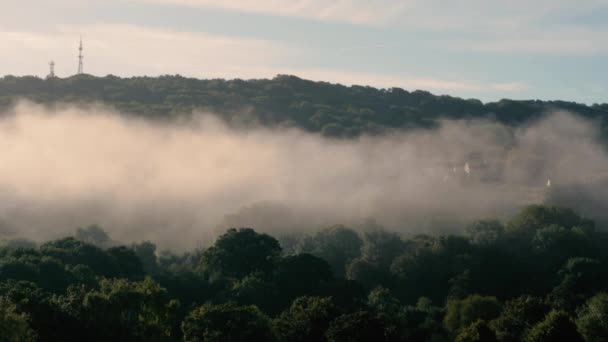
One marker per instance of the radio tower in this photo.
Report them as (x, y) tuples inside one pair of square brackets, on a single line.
[(52, 70), (80, 58)]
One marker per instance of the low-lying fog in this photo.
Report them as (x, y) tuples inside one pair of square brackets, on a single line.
[(179, 184)]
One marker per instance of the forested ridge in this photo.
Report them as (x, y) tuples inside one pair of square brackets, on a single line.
[(332, 109), (540, 276)]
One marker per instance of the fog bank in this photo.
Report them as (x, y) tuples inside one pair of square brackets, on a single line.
[(179, 184)]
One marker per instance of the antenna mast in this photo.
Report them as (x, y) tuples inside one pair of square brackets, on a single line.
[(80, 58), (52, 70)]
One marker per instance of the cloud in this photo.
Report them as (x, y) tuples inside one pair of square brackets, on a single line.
[(561, 41), (360, 12)]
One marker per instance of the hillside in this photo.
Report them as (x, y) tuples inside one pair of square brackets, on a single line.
[(332, 109)]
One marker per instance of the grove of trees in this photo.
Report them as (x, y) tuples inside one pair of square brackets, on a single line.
[(541, 276)]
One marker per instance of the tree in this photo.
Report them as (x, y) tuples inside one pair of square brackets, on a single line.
[(379, 250), (592, 319), (253, 289), (240, 252), (337, 245), (75, 252), (226, 323), (129, 264), (381, 247), (479, 331), (556, 326), (535, 217), (300, 275), (357, 326), (307, 319), (146, 252), (580, 279), (125, 310), (518, 316), (14, 326), (93, 235), (460, 313)]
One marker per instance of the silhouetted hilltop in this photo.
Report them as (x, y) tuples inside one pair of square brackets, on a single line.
[(331, 109)]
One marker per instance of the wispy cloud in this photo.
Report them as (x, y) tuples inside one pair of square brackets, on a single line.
[(563, 41), (361, 12)]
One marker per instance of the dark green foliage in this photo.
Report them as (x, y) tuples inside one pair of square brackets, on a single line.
[(477, 332), (227, 323), (518, 316), (240, 252), (537, 217), (426, 269), (592, 319), (338, 245), (581, 278), (358, 326), (460, 313), (74, 252), (556, 326), (254, 289), (545, 266), (306, 320), (129, 264), (93, 235), (379, 250), (133, 311), (301, 275), (30, 265), (14, 326), (146, 252)]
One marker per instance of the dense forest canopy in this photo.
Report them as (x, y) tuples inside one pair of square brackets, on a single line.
[(540, 276), (332, 109)]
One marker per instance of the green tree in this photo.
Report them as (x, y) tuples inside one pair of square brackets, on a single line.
[(306, 320), (518, 316), (580, 279), (134, 311), (556, 326), (93, 235), (460, 313), (300, 275), (592, 319), (337, 245), (14, 326), (227, 323), (146, 252), (357, 326), (240, 252), (479, 331)]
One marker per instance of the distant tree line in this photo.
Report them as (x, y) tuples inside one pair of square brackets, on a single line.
[(331, 109), (541, 276)]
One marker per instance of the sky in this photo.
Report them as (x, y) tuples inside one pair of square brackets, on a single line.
[(485, 49)]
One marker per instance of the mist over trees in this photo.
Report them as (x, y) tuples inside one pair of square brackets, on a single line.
[(540, 276)]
